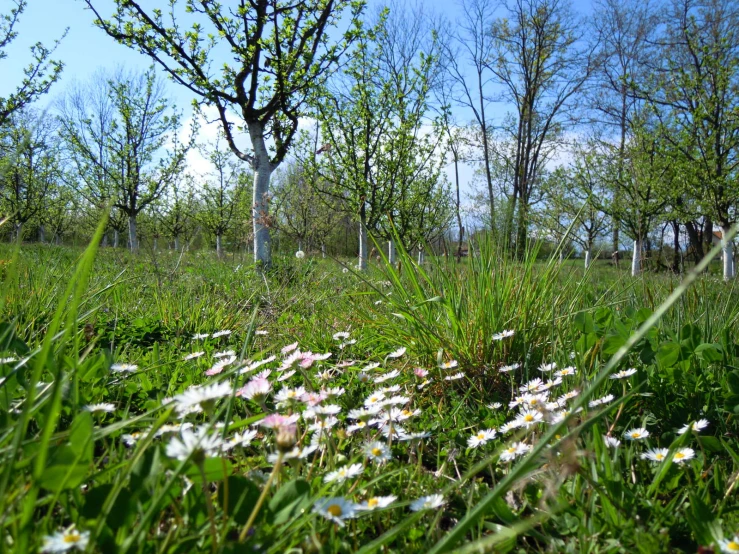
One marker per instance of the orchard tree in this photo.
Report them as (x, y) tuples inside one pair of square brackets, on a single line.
[(279, 52), (38, 75), (176, 210)]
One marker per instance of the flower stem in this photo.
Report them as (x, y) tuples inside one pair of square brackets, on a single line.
[(258, 505), (211, 511)]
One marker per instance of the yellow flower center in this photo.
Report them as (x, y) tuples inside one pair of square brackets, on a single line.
[(480, 436), (635, 435), (511, 450), (679, 455), (732, 546), (406, 412), (334, 510), (659, 456), (376, 451), (528, 418), (372, 502), (72, 537), (361, 424), (533, 401)]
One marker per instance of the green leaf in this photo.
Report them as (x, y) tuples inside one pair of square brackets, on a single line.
[(215, 469), (80, 436), (709, 352), (668, 354), (288, 500), (64, 470), (242, 497), (584, 323)]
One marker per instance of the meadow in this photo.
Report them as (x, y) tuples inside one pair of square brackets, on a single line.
[(172, 402)]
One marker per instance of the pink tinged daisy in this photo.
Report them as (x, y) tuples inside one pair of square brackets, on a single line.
[(197, 443), (420, 372), (336, 509), (655, 455), (66, 540), (346, 363), (546, 368), (683, 455), (387, 376), (694, 426), (377, 503), (454, 377), (219, 366), (451, 364), (613, 442), (623, 374), (194, 355), (397, 353), (286, 375), (256, 389), (637, 433), (218, 334), (528, 418), (481, 437), (343, 473), (729, 545), (289, 348), (276, 421), (378, 452), (123, 368), (313, 398), (509, 368), (430, 502), (103, 407)]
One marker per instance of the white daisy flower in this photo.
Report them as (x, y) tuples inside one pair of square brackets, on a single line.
[(528, 418), (430, 502), (636, 434), (200, 336), (597, 402), (130, 439), (196, 398), (729, 545), (341, 335), (655, 455), (397, 353), (503, 335), (683, 455), (193, 356), (287, 396), (531, 386), (195, 442), (694, 426), (545, 368), (378, 452), (289, 348), (514, 451), (451, 364), (623, 374), (495, 406), (565, 372), (377, 502), (123, 368), (66, 540), (240, 439), (613, 442), (335, 509), (481, 437), (224, 333), (454, 377), (286, 375), (256, 389), (224, 354), (508, 368), (343, 473), (103, 407), (387, 376)]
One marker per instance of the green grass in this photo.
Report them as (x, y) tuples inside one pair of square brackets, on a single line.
[(68, 315)]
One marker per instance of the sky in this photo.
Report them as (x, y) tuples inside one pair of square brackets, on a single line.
[(86, 49)]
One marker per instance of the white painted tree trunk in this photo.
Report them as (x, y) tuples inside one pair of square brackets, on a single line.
[(260, 208), (420, 256), (177, 243), (727, 248), (587, 258), (132, 238), (116, 238), (41, 234), (58, 239), (103, 241), (636, 261), (323, 250), (363, 246), (561, 256), (219, 246), (19, 231), (156, 244), (391, 252)]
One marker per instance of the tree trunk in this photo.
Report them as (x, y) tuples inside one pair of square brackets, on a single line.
[(727, 248), (19, 231), (116, 238), (587, 258), (177, 242), (391, 252), (260, 208), (132, 238), (156, 244), (420, 256), (363, 243), (41, 234), (636, 261), (676, 247), (694, 238), (323, 250), (219, 247)]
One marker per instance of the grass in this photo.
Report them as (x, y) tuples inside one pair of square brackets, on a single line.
[(180, 464)]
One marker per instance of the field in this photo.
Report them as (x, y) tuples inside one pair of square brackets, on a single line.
[(173, 402)]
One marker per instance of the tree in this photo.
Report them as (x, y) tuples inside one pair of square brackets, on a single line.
[(29, 166), (125, 143), (39, 75), (176, 211), (221, 190), (378, 158), (538, 56), (281, 52)]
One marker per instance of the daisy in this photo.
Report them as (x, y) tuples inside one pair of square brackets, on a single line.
[(123, 367), (683, 455), (655, 454), (275, 421), (130, 439), (398, 353), (193, 356), (194, 442), (531, 386), (495, 406), (200, 336), (240, 439), (289, 348), (256, 389), (68, 539), (335, 509), (387, 376), (528, 418), (549, 384), (605, 400), (454, 377), (430, 502), (508, 368), (515, 450), (545, 368), (285, 376), (341, 335), (377, 502), (564, 372), (503, 335), (224, 354), (623, 374), (693, 426), (287, 396), (613, 442), (371, 367), (261, 333), (420, 372), (195, 399), (480, 438), (377, 452), (104, 407), (343, 473), (374, 399), (729, 545), (451, 364), (334, 392), (347, 343), (636, 433), (223, 333), (220, 365)]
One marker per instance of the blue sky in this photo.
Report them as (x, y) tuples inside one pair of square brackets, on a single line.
[(86, 49)]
